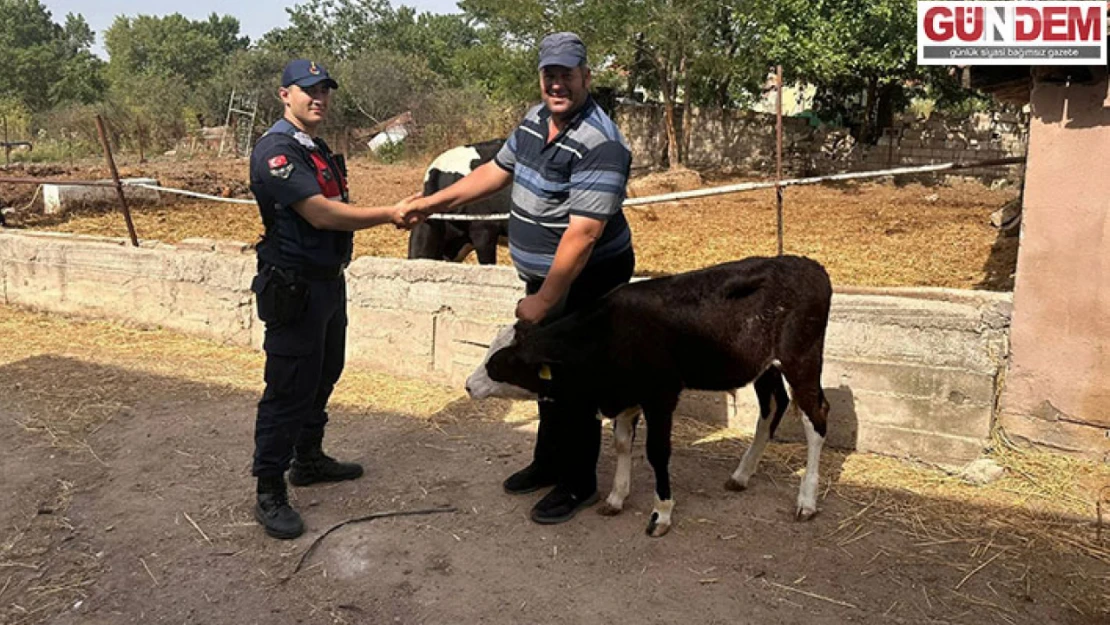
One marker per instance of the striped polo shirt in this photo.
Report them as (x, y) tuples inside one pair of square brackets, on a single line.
[(583, 171)]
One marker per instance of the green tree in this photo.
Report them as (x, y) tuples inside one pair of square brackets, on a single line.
[(664, 44), (151, 107), (435, 38), (847, 48), (162, 67), (682, 51), (344, 29), (171, 46), (503, 59), (257, 72), (81, 76), (380, 84), (27, 43), (44, 62), (329, 28)]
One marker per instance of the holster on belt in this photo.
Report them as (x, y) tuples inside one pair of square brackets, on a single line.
[(282, 295)]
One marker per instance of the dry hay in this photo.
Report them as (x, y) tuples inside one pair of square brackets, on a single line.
[(45, 586), (1044, 502), (72, 405), (41, 586), (866, 234), (662, 182)]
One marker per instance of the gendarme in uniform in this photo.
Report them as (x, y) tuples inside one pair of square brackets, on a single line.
[(301, 296)]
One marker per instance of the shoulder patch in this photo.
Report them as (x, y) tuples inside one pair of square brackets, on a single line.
[(304, 139), (280, 167)]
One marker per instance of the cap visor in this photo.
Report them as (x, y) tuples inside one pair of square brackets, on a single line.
[(315, 80), (564, 60)]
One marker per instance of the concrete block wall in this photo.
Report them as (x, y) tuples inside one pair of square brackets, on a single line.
[(188, 288), (910, 372)]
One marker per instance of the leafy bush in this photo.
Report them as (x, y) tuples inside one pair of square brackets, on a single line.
[(391, 153)]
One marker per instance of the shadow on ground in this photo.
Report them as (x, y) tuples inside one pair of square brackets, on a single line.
[(127, 500)]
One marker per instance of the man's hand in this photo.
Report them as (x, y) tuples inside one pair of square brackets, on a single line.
[(409, 212), (533, 308), (570, 258)]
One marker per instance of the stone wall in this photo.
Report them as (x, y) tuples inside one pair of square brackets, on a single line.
[(909, 372), (744, 142)]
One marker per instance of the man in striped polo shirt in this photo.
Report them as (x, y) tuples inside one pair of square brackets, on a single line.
[(569, 241)]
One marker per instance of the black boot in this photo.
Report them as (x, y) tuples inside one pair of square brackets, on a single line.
[(529, 479), (311, 465), (541, 472), (560, 505), (273, 510)]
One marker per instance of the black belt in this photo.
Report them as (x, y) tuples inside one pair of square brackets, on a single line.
[(321, 273), (311, 272), (333, 272)]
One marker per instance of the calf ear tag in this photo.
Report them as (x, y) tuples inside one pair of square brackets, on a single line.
[(545, 372)]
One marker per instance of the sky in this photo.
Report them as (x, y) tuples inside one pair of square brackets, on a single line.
[(256, 17)]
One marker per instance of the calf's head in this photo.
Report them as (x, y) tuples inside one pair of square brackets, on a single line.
[(526, 360), (507, 371)]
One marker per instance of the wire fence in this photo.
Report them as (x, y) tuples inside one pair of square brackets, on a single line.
[(628, 203)]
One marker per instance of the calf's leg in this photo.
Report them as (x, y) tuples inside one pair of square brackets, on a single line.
[(659, 419), (815, 412), (624, 425), (772, 404)]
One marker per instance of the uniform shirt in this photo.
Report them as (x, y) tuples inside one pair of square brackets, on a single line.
[(288, 166), (583, 171)]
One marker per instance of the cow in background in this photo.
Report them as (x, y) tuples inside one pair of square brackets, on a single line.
[(452, 240)]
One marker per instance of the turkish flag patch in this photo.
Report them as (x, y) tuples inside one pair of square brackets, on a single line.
[(278, 161)]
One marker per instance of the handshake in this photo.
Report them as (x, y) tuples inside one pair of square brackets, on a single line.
[(410, 212)]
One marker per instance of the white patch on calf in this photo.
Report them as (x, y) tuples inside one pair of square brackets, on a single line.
[(661, 517), (750, 461), (807, 493), (480, 386), (622, 479), (454, 161)]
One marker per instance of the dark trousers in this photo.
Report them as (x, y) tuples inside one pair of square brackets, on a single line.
[(569, 438), (303, 362)]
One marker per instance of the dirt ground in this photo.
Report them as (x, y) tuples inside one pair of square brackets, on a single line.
[(125, 458), (866, 234)]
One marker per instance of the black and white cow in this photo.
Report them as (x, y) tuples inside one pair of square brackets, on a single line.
[(719, 328), (452, 240)]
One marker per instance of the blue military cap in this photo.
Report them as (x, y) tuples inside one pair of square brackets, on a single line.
[(305, 73), (564, 49)]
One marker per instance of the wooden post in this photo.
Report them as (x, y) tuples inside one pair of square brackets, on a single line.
[(889, 134), (7, 148), (778, 154), (115, 178)]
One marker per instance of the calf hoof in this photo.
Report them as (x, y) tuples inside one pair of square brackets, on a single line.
[(655, 529), (735, 486), (608, 509), (805, 514)]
